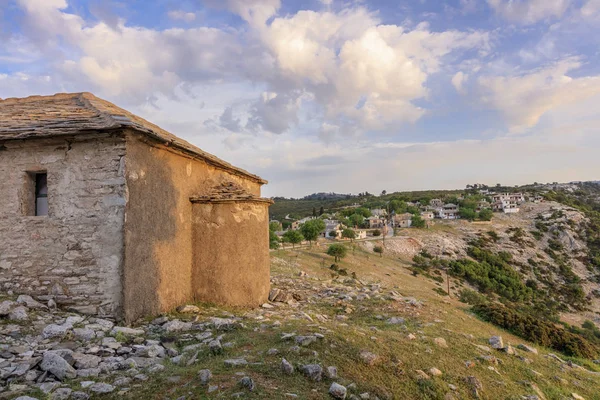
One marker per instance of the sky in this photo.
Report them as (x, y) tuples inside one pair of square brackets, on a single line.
[(339, 96)]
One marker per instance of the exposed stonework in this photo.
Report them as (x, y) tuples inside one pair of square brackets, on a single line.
[(119, 236), (74, 254)]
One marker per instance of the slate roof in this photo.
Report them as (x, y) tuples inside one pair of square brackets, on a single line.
[(228, 192), (67, 114)]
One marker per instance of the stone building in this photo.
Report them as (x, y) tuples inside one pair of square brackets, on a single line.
[(108, 214)]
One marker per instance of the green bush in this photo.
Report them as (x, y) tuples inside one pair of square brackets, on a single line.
[(491, 273), (536, 330), (471, 297)]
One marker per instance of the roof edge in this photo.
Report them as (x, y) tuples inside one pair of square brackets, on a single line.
[(211, 200)]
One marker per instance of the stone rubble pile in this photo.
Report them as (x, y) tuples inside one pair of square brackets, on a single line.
[(41, 348)]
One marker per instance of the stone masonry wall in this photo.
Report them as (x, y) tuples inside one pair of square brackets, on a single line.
[(74, 255)]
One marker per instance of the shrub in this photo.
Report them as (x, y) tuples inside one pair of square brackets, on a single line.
[(537, 234), (491, 273), (379, 250), (486, 214), (536, 330), (376, 232), (471, 297), (493, 235)]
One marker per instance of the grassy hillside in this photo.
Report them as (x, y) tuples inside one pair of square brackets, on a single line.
[(383, 331)]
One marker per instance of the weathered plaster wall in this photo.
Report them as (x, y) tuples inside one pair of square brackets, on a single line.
[(231, 256), (73, 255), (158, 228)]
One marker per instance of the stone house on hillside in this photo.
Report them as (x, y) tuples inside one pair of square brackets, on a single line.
[(108, 214)]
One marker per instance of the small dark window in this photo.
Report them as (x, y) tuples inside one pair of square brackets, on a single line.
[(41, 194)]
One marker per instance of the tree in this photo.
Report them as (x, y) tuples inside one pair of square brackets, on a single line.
[(467, 213), (321, 210), (337, 251), (312, 229), (273, 240), (275, 226), (486, 214), (349, 234), (293, 237), (314, 212), (417, 221), (356, 220), (379, 250), (383, 192), (333, 234)]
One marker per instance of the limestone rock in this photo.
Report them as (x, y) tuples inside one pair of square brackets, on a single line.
[(313, 372), (205, 376), (527, 348), (30, 302), (286, 367), (435, 372), (18, 314), (496, 342), (368, 358), (337, 391), (331, 372), (247, 383), (57, 366), (101, 387), (441, 342), (236, 362)]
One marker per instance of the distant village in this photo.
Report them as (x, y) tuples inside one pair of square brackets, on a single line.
[(477, 203)]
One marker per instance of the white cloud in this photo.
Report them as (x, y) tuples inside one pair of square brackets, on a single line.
[(591, 9), (523, 98), (529, 11), (182, 15), (458, 81)]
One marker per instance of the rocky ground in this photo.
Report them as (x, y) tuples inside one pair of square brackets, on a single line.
[(369, 330)]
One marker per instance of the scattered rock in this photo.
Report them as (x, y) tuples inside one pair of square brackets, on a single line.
[(102, 388), (474, 384), (527, 348), (435, 372), (313, 372), (368, 358), (215, 347), (57, 366), (421, 374), (247, 383), (305, 340), (18, 314), (331, 372), (496, 342), (236, 362), (337, 391), (205, 376), (441, 342), (286, 367)]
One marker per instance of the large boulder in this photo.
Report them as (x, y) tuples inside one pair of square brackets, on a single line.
[(57, 366)]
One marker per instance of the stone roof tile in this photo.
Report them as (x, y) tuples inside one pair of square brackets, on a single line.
[(66, 114)]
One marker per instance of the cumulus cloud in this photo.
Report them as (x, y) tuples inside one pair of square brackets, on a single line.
[(529, 11), (523, 98)]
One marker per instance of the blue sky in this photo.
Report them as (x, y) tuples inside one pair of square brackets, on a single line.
[(334, 95)]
